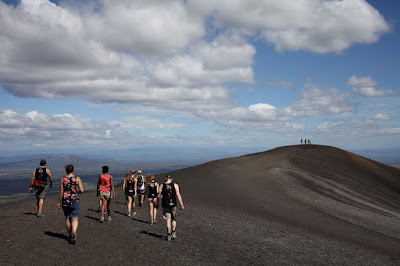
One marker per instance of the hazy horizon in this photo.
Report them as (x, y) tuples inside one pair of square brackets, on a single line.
[(188, 155)]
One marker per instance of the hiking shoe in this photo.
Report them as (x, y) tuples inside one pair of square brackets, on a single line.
[(173, 235), (102, 220), (129, 215), (133, 214), (109, 219), (169, 237), (73, 239), (155, 221), (39, 214)]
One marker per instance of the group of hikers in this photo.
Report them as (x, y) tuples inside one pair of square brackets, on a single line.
[(134, 187), (306, 141)]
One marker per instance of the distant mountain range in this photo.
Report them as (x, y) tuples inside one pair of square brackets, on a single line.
[(187, 155), (22, 167), (150, 159), (142, 155)]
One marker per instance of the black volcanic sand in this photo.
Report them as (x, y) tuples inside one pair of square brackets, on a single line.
[(297, 205)]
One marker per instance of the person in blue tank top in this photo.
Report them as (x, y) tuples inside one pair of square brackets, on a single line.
[(169, 194), (68, 199)]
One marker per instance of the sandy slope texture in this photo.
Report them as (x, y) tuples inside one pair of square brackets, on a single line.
[(304, 204)]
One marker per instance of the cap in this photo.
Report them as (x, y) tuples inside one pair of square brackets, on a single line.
[(169, 177), (43, 162), (139, 171)]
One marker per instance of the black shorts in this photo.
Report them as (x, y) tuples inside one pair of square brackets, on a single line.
[(130, 194)]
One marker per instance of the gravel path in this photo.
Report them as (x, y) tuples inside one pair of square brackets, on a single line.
[(246, 210)]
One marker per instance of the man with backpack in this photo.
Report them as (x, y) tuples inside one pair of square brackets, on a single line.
[(141, 186), (169, 194), (39, 182)]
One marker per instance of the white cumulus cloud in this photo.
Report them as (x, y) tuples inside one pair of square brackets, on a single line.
[(39, 127), (366, 86), (316, 102), (315, 25), (381, 116)]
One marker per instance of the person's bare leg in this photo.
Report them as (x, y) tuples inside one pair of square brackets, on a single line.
[(40, 205), (151, 212), (173, 233), (109, 209), (129, 202), (74, 225), (74, 228), (103, 208), (173, 227), (133, 206), (68, 225), (169, 228)]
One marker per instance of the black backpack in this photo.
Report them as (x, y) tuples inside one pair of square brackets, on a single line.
[(140, 181), (40, 177)]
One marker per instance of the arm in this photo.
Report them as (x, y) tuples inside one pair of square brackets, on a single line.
[(135, 186), (98, 183), (145, 192), (124, 184), (178, 195), (50, 178), (80, 184), (159, 196), (112, 186), (32, 181), (61, 193)]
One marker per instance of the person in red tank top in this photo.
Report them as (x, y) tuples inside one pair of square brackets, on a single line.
[(107, 192)]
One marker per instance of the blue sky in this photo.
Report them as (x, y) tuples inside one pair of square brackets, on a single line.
[(126, 74)]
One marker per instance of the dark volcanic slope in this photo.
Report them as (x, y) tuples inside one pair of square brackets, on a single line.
[(305, 204), (320, 189)]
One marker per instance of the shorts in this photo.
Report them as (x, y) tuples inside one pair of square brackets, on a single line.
[(73, 210), (130, 194), (105, 195), (41, 192), (152, 200), (169, 213), (140, 192)]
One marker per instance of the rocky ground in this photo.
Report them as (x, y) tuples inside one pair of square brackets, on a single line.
[(261, 209)]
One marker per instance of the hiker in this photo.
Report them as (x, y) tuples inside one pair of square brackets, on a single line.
[(129, 186), (169, 194), (123, 186), (39, 181), (301, 141), (107, 192), (68, 197), (152, 193), (141, 187)]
